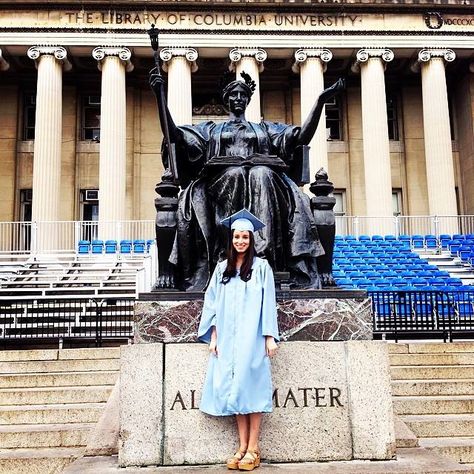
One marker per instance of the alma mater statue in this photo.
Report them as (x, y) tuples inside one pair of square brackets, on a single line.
[(224, 167)]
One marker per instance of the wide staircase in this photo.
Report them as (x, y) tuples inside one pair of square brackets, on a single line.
[(49, 402), (433, 392)]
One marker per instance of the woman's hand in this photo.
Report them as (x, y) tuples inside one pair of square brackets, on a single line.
[(270, 346), (213, 343)]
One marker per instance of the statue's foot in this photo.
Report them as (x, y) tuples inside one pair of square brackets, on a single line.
[(328, 280), (165, 282)]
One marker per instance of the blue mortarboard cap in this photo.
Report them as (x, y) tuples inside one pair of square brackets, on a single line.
[(243, 220)]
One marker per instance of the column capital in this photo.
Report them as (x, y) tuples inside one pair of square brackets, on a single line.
[(191, 54), (364, 54), (427, 54), (101, 52), (4, 64), (59, 52), (302, 54), (236, 54)]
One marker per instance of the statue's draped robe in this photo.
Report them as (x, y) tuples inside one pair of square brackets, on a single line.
[(289, 241)]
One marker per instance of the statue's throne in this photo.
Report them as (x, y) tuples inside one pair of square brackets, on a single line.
[(321, 205)]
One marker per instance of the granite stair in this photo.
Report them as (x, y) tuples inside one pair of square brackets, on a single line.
[(50, 400), (433, 394)]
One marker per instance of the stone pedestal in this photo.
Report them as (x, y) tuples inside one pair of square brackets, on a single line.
[(322, 315), (331, 400)]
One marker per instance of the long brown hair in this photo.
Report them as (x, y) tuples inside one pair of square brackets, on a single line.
[(246, 268)]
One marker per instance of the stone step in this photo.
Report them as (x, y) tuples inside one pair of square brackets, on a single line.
[(435, 426), (424, 405), (458, 449), (433, 387), (430, 347), (37, 460), (74, 365), (409, 461), (432, 372), (59, 379), (49, 395), (453, 358), (44, 436), (54, 413), (60, 354)]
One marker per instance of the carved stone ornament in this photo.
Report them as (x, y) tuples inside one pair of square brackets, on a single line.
[(236, 54), (302, 54), (426, 54), (363, 55), (191, 54), (59, 52), (123, 53)]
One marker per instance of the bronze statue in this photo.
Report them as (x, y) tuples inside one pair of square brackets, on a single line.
[(224, 167)]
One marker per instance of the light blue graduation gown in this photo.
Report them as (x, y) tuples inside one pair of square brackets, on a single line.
[(238, 380)]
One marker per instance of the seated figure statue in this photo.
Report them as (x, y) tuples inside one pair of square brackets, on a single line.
[(224, 167)]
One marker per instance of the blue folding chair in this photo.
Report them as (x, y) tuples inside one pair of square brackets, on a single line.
[(139, 246), (83, 247), (364, 238), (126, 246), (149, 243), (97, 246), (110, 246), (350, 237)]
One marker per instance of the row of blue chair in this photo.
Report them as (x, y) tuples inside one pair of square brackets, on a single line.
[(98, 247)]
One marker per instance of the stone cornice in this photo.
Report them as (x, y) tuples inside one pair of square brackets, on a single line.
[(191, 54), (59, 52), (364, 54), (302, 54), (101, 52)]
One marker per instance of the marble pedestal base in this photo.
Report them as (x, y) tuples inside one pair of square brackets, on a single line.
[(302, 316)]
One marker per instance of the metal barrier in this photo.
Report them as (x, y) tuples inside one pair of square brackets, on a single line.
[(63, 236), (66, 318), (423, 313), (398, 225)]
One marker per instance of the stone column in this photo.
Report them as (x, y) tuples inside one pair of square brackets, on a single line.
[(179, 63), (378, 181), (251, 61), (311, 63), (437, 132), (50, 62), (113, 62)]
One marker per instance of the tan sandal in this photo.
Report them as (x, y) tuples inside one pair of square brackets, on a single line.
[(250, 461), (233, 462)]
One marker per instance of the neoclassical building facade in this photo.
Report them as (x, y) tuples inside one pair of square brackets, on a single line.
[(79, 134)]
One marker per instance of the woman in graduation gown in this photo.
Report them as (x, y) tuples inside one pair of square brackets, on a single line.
[(239, 321), (239, 164)]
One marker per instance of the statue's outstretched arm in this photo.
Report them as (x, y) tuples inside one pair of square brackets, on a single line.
[(308, 129), (157, 84)]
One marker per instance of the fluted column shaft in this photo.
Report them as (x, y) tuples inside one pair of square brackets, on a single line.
[(251, 62), (437, 135), (112, 160), (376, 148), (48, 133), (312, 65), (180, 63)]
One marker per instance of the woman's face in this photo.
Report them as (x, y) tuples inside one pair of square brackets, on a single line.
[(241, 240), (238, 100)]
